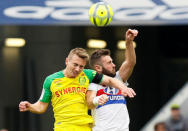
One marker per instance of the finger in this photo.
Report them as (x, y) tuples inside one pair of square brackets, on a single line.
[(133, 92), (130, 34), (135, 33), (130, 94), (21, 105), (129, 31), (102, 100), (105, 97), (124, 94), (22, 108)]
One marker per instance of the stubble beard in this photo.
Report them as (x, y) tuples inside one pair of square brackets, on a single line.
[(108, 73)]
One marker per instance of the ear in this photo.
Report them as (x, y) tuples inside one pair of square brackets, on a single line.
[(66, 61), (98, 68)]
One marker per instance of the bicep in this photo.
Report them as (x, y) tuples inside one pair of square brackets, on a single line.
[(42, 105)]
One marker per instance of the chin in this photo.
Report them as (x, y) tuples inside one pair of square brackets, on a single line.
[(111, 74)]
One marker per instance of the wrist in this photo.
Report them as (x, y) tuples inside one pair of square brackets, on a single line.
[(96, 100), (128, 43)]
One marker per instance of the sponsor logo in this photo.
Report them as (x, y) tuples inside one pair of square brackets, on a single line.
[(114, 99), (82, 80), (76, 11), (70, 90)]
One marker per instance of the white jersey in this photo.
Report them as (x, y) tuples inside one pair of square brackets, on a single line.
[(112, 116)]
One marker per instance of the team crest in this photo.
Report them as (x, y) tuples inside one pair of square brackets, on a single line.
[(94, 73), (82, 80), (112, 91)]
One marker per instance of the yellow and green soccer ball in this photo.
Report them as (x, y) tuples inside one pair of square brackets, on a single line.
[(100, 14)]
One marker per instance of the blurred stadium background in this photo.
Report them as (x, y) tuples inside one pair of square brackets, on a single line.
[(51, 28)]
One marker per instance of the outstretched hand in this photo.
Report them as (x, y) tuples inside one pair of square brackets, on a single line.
[(130, 35), (128, 92)]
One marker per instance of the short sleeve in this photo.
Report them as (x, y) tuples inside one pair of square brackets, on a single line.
[(119, 78), (46, 93), (93, 87), (93, 76)]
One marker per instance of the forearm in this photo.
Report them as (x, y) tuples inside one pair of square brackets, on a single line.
[(90, 95), (37, 108), (130, 55), (116, 83), (112, 82), (90, 104), (127, 66)]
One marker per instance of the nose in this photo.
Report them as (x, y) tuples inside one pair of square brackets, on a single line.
[(77, 69), (113, 65)]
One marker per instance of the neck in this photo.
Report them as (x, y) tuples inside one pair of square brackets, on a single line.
[(66, 73)]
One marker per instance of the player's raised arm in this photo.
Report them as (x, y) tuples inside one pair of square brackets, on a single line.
[(113, 82), (130, 57), (37, 108)]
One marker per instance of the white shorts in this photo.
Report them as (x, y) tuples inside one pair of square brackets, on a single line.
[(110, 130)]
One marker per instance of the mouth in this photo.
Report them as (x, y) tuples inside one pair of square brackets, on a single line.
[(75, 73)]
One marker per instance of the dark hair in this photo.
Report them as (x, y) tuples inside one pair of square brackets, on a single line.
[(96, 56), (158, 124)]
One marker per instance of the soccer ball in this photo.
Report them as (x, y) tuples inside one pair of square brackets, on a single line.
[(100, 14)]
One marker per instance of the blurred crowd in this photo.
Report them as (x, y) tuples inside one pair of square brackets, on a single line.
[(176, 121)]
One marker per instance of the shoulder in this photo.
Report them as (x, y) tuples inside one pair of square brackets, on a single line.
[(93, 86), (89, 71), (48, 80), (58, 74), (168, 121), (119, 78)]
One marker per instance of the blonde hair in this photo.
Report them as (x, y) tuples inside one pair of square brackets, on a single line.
[(80, 52)]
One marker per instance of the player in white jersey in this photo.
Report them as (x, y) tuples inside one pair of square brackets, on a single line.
[(108, 106)]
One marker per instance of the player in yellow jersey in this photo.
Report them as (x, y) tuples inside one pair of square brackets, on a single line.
[(66, 90)]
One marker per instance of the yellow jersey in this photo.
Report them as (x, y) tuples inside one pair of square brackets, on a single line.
[(67, 96)]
